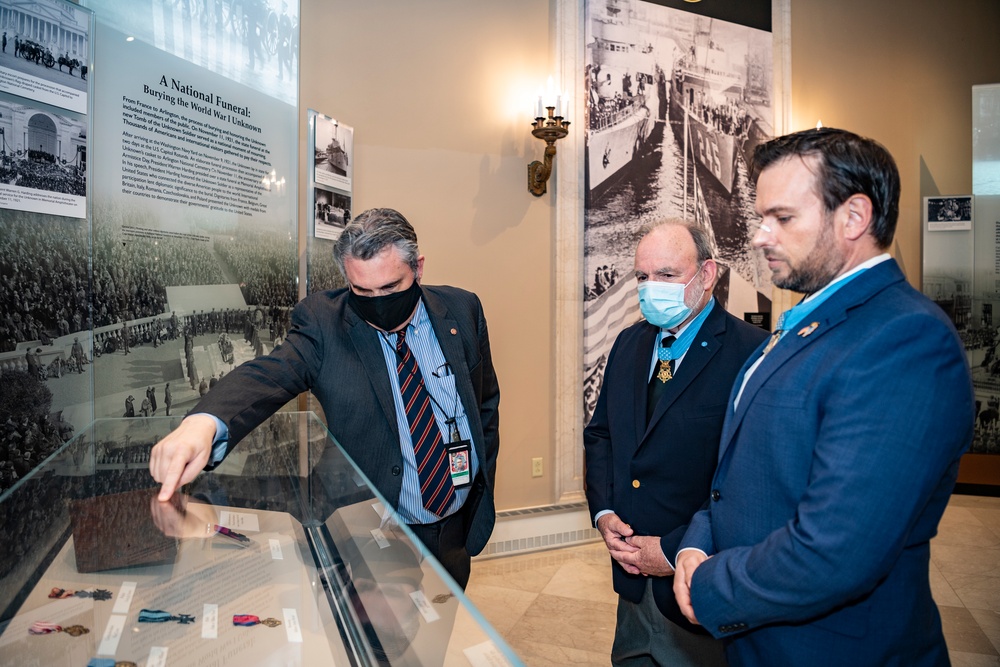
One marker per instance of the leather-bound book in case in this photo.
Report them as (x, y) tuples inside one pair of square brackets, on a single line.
[(117, 531)]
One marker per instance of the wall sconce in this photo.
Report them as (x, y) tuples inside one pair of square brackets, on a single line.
[(548, 130)]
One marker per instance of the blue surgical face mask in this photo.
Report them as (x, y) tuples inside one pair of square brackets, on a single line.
[(662, 304)]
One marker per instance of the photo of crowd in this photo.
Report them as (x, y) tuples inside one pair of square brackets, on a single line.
[(40, 150), (43, 278), (39, 170)]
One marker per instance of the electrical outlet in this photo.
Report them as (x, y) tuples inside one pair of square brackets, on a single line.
[(536, 467)]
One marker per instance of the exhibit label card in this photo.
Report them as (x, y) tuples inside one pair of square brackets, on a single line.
[(380, 538), (112, 635), (210, 621), (485, 655), (239, 521), (275, 549), (292, 626), (124, 599), (424, 606), (157, 657)]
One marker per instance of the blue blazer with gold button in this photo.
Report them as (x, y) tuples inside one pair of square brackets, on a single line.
[(655, 476)]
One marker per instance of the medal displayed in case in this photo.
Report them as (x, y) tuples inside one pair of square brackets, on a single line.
[(61, 594), (158, 616), (247, 620), (46, 628)]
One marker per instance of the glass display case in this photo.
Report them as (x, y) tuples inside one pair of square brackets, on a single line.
[(284, 555)]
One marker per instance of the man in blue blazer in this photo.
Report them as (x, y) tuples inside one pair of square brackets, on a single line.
[(653, 441), (347, 347), (843, 436)]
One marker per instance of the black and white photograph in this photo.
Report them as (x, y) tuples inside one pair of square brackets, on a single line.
[(942, 214), (333, 153), (43, 161), (182, 309), (45, 340), (676, 104), (252, 42), (197, 276), (332, 213), (981, 335), (986, 139), (46, 52)]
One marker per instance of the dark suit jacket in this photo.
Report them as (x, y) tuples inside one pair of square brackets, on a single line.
[(833, 473), (337, 355), (672, 458)]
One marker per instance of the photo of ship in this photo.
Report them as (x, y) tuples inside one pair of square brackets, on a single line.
[(626, 95), (333, 158), (711, 80), (719, 113), (333, 153)]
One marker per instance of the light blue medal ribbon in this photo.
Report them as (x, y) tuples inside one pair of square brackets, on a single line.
[(794, 316), (159, 616), (683, 342)]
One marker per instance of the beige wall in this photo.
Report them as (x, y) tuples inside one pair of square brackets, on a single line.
[(437, 92), (901, 73)]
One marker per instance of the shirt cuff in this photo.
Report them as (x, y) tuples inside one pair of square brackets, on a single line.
[(221, 441), (600, 514), (679, 552)]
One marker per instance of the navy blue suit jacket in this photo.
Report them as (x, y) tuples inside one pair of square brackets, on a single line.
[(334, 353), (673, 457), (834, 471)]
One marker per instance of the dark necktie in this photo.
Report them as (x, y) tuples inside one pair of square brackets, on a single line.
[(657, 385), (436, 488)]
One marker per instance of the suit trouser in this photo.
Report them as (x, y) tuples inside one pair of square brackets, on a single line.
[(644, 636), (445, 539)]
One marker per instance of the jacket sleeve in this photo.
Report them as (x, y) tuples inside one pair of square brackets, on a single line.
[(597, 449), (255, 390), (489, 404)]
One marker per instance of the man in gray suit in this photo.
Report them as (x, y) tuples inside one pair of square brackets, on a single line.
[(372, 354)]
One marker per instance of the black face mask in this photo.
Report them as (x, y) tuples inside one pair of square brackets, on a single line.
[(389, 311)]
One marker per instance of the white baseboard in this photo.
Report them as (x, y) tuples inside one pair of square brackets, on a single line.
[(538, 528)]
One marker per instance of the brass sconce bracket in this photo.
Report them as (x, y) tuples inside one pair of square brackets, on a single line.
[(548, 130)]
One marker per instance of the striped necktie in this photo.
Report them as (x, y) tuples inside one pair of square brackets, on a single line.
[(436, 488)]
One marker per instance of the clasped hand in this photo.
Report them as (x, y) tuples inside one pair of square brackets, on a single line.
[(688, 561), (636, 554)]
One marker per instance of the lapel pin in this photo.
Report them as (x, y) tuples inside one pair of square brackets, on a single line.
[(805, 331), (454, 331), (704, 343)]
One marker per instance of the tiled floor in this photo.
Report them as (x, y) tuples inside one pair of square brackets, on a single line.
[(557, 607)]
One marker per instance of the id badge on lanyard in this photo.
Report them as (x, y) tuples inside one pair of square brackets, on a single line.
[(460, 463)]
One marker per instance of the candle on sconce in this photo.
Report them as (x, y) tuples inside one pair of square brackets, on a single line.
[(540, 111), (559, 105)]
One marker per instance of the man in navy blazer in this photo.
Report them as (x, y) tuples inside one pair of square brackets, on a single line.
[(842, 441), (650, 453), (343, 347)]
